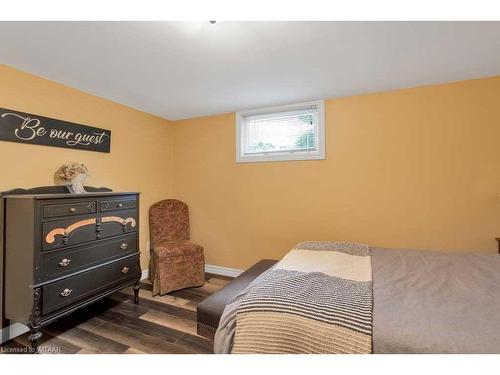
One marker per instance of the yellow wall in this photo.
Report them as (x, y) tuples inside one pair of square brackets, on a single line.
[(410, 168), (141, 146), (415, 168)]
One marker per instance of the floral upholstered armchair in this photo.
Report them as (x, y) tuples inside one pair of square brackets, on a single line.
[(176, 263)]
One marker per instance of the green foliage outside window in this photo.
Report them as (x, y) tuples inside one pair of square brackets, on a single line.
[(306, 140), (261, 146)]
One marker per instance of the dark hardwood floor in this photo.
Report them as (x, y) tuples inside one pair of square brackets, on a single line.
[(165, 324)]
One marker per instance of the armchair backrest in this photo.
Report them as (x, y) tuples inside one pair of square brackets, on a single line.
[(168, 221)]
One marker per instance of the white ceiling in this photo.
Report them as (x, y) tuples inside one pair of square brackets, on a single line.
[(186, 69)]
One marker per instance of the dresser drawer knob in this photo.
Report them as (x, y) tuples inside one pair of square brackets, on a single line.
[(72, 209), (120, 205), (125, 269), (66, 292), (65, 262), (124, 246)]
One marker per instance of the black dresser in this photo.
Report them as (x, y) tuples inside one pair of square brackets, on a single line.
[(64, 251)]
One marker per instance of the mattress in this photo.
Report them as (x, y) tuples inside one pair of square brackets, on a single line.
[(422, 302)]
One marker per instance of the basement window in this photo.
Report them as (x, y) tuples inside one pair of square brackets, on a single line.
[(292, 132)]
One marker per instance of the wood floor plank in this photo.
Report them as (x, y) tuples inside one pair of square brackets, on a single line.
[(88, 341), (134, 351), (13, 347), (193, 294), (146, 285), (179, 324), (166, 299), (127, 306), (199, 344), (89, 351), (221, 281), (89, 312), (218, 278), (49, 344), (180, 312), (141, 326), (134, 339), (192, 305), (210, 287), (209, 277)]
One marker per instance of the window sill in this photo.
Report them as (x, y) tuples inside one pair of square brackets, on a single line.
[(276, 158)]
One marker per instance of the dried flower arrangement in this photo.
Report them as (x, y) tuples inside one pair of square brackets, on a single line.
[(73, 175)]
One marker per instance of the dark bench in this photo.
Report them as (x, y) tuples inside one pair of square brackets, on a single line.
[(210, 310)]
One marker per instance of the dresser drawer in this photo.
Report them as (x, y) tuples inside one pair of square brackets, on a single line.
[(69, 209), (61, 233), (75, 231), (64, 262), (63, 293), (116, 223), (118, 204)]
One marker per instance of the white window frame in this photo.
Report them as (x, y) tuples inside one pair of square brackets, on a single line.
[(318, 154)]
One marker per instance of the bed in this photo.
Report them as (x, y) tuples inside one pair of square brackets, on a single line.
[(340, 297)]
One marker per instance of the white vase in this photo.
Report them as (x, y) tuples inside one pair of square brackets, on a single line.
[(76, 184)]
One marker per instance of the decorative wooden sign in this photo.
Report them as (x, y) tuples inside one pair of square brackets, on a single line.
[(27, 128)]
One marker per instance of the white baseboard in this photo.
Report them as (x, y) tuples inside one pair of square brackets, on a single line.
[(145, 274), (223, 271), (12, 331)]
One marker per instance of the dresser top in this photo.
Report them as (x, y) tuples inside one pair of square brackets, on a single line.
[(67, 195), (60, 192)]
